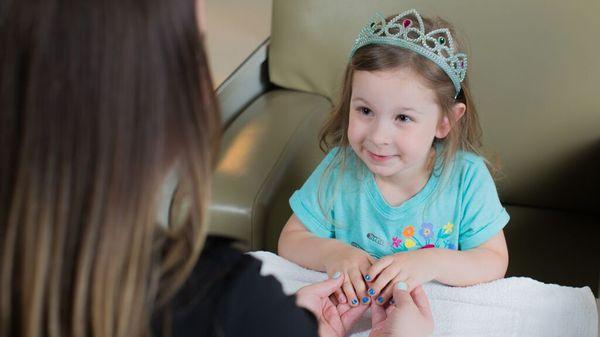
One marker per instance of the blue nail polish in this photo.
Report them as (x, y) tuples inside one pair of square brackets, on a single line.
[(368, 277), (371, 292), (380, 299), (354, 301), (365, 300)]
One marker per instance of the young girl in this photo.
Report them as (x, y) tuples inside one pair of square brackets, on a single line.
[(403, 171)]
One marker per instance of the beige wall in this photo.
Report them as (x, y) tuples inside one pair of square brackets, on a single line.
[(234, 29)]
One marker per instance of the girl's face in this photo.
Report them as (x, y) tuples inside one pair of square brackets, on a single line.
[(394, 119)]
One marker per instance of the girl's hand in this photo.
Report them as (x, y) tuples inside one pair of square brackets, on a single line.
[(352, 263), (413, 268)]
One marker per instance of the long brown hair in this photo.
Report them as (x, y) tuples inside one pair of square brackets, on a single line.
[(465, 134), (99, 100)]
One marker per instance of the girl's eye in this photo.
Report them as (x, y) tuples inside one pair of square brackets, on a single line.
[(403, 118), (365, 111)]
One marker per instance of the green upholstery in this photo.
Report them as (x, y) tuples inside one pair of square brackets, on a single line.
[(257, 150)]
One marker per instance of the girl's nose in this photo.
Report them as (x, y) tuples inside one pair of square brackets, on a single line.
[(381, 134)]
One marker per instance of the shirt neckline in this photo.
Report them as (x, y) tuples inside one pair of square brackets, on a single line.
[(395, 211)]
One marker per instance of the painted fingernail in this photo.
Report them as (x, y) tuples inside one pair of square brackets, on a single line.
[(401, 286), (365, 299), (380, 299), (371, 291), (336, 275), (367, 277), (392, 301), (354, 301)]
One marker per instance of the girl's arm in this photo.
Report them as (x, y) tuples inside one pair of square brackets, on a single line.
[(299, 245), (485, 263)]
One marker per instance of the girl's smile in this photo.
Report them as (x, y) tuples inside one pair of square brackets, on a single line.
[(379, 158)]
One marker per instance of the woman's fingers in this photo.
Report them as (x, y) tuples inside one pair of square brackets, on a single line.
[(421, 300), (351, 315), (378, 314), (324, 289), (339, 296)]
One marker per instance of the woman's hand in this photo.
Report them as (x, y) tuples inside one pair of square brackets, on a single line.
[(412, 268), (353, 263), (409, 316), (334, 321)]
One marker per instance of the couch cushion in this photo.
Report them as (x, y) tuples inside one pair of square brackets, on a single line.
[(257, 149), (553, 246), (533, 70)]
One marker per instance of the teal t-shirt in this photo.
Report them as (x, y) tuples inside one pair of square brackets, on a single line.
[(458, 208)]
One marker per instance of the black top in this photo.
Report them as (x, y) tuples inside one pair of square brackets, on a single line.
[(226, 296)]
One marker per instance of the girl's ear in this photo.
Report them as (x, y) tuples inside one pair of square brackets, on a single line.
[(444, 125)]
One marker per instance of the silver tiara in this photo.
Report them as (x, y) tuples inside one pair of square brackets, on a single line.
[(402, 31)]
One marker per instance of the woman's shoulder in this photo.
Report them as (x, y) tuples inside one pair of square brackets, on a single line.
[(226, 292)]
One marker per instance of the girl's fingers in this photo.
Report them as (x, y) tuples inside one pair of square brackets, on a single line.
[(385, 295), (377, 267), (359, 285), (349, 292), (384, 278)]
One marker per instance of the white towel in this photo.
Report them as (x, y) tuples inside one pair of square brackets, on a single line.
[(515, 306)]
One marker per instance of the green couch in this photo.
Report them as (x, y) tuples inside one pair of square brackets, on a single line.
[(534, 70)]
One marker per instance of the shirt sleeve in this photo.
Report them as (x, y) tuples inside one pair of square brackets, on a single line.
[(311, 203), (257, 306), (483, 216)]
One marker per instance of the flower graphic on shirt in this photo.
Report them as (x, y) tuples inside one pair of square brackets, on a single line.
[(409, 243), (426, 230), (409, 231), (396, 241), (448, 228)]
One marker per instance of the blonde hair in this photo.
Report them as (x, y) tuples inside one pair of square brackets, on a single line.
[(94, 115), (465, 134)]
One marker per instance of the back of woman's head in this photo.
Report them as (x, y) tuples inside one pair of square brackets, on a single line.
[(99, 99)]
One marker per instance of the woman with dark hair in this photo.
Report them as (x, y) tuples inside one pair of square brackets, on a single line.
[(99, 102)]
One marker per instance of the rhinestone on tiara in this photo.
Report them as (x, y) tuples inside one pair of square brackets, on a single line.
[(402, 31)]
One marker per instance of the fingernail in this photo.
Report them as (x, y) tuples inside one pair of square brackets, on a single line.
[(401, 286), (371, 291), (367, 277), (354, 301), (380, 299), (342, 299), (392, 301), (336, 275), (365, 299)]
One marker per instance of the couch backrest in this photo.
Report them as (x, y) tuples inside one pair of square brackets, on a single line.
[(534, 68)]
